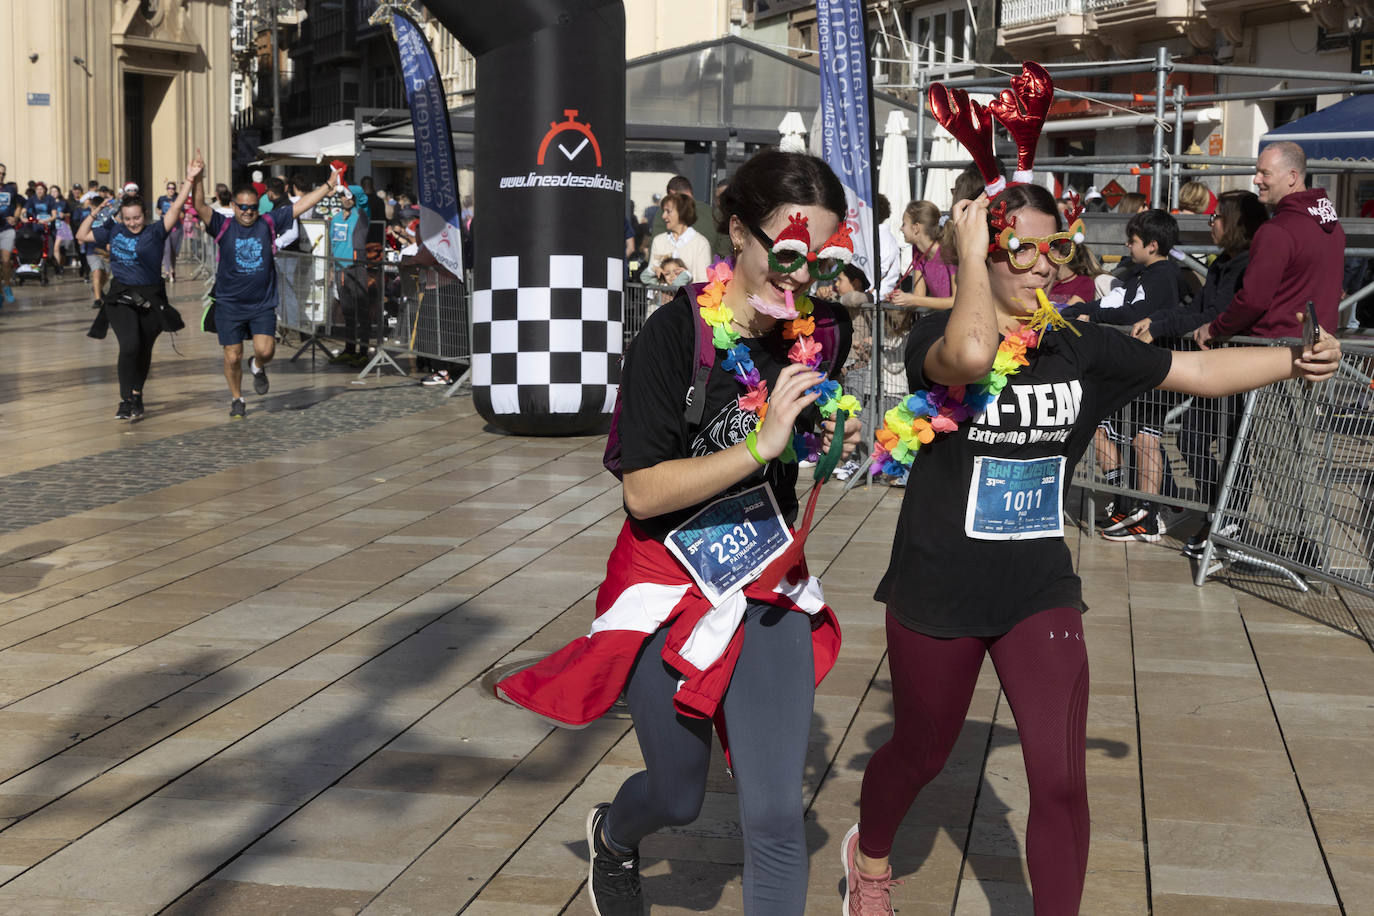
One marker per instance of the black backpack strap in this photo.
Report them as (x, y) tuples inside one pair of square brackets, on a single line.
[(703, 361)]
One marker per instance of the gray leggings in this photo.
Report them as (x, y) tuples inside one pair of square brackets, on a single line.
[(767, 718)]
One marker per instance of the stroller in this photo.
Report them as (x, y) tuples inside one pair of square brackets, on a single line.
[(31, 252)]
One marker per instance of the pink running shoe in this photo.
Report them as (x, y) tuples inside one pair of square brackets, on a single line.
[(863, 895)]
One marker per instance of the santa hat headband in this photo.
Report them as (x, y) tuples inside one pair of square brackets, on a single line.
[(1021, 109)]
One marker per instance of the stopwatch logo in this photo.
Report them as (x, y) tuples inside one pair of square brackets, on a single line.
[(570, 125)]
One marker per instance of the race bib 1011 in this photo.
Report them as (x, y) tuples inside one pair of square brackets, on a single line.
[(1013, 499)]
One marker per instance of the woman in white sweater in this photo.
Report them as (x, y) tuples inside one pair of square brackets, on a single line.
[(681, 241)]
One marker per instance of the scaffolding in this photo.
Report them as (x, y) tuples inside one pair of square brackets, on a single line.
[(1170, 101)]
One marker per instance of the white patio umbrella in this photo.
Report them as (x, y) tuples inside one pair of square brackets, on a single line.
[(793, 130), (894, 174)]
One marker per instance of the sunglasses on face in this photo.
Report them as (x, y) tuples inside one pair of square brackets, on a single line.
[(1212, 220), (785, 261), (246, 208), (1024, 250)]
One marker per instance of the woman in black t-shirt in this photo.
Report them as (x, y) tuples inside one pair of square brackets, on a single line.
[(979, 565), (709, 498), (132, 305)]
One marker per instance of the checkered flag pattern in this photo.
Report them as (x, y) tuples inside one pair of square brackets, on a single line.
[(546, 337)]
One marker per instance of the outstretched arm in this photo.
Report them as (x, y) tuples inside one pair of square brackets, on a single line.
[(1231, 370), (202, 209), (309, 200), (173, 214), (84, 234)]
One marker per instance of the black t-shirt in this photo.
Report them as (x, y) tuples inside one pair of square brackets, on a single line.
[(653, 395), (942, 582)]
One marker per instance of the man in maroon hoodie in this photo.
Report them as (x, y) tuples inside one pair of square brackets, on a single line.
[(1297, 255)]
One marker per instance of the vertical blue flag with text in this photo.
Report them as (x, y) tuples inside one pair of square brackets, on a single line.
[(437, 179), (846, 131)]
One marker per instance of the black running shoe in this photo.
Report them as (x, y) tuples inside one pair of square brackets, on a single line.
[(136, 407), (260, 383), (125, 411), (612, 877), (1147, 528), (237, 409)]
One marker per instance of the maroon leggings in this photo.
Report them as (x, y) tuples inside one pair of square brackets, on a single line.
[(1043, 666)]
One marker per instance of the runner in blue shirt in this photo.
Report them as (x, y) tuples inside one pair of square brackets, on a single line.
[(95, 255), (11, 209), (135, 306), (245, 291)]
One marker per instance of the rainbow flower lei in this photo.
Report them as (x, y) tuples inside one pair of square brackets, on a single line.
[(740, 364), (919, 416)]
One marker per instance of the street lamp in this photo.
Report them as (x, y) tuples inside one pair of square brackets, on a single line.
[(276, 76)]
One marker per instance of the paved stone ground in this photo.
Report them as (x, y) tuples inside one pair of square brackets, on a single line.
[(62, 489), (264, 687)]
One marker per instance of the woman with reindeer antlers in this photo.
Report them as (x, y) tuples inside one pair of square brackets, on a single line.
[(1007, 396)]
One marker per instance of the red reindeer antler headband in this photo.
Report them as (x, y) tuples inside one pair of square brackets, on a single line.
[(1021, 109), (1074, 209)]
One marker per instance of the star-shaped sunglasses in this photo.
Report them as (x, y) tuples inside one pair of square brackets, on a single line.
[(792, 250)]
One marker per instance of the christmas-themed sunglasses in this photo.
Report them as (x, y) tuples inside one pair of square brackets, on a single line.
[(791, 250), (1024, 250)]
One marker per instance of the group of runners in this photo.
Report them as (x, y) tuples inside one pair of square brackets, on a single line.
[(135, 305), (700, 628)]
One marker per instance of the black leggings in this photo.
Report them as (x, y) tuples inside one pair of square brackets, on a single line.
[(767, 720), (135, 329)]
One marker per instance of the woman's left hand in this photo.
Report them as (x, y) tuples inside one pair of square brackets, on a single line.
[(853, 430), (1319, 362)]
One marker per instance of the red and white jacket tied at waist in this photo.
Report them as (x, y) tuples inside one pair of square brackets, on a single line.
[(645, 589)]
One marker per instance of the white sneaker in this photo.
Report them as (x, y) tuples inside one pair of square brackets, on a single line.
[(436, 379), (847, 470)]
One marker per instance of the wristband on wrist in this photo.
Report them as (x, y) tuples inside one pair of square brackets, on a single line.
[(751, 442)]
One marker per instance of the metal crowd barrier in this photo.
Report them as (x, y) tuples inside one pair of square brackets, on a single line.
[(1169, 447), (401, 310), (640, 301), (1299, 493)]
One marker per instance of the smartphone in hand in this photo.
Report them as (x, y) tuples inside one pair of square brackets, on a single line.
[(1314, 330)]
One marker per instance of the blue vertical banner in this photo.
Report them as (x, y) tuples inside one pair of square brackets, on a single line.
[(846, 118), (437, 178)]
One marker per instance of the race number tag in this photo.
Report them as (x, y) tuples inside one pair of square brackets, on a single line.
[(726, 546), (1009, 500)]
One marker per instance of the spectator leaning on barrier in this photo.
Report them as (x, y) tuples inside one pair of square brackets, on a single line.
[(1239, 216), (1297, 256), (1155, 284)]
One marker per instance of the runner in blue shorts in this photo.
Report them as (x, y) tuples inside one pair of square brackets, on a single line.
[(245, 291)]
